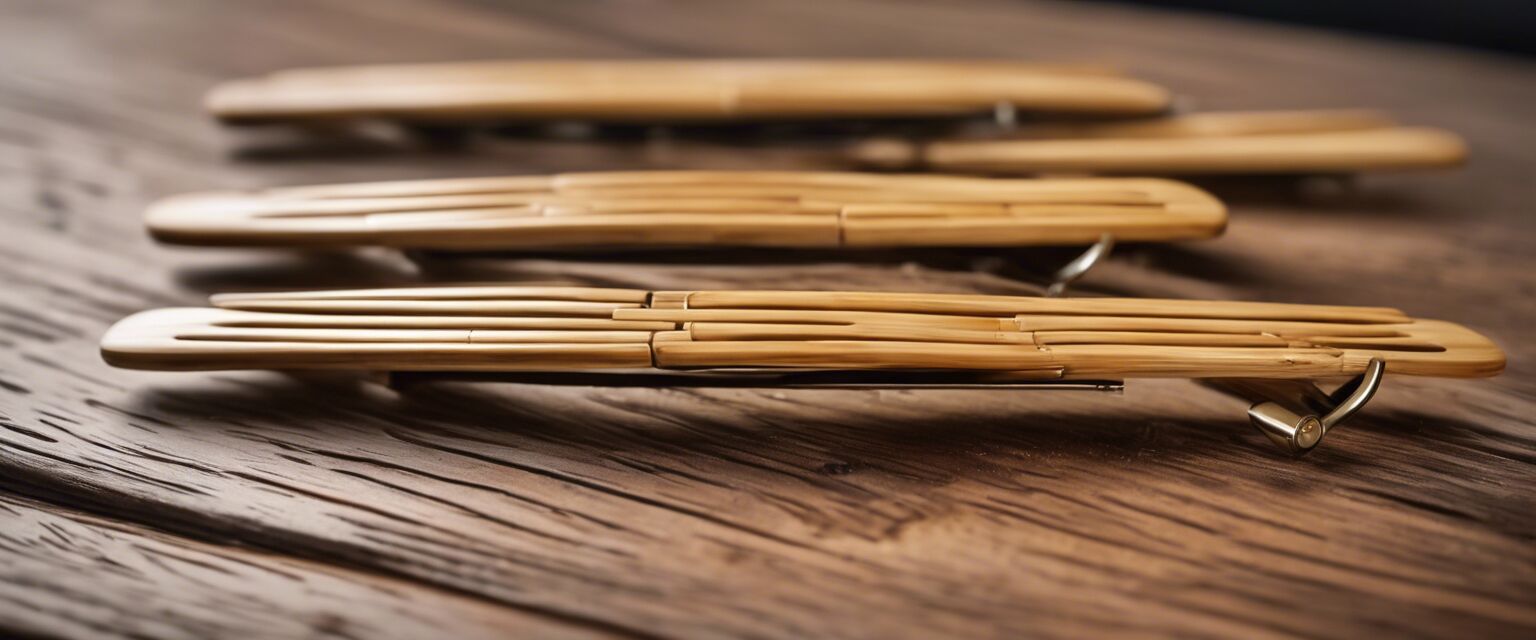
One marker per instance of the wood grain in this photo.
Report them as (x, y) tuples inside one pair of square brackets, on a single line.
[(71, 574), (733, 512)]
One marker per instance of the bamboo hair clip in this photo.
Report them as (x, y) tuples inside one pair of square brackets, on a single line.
[(1272, 354), (627, 90), (1275, 142), (699, 209), (693, 208)]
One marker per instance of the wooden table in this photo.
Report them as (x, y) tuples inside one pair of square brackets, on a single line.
[(252, 504)]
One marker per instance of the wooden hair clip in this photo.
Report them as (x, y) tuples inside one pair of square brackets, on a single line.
[(696, 209), (627, 90), (1269, 353), (1284, 142)]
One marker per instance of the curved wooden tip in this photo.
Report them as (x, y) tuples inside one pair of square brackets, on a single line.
[(240, 101), (146, 340), (199, 218), (1426, 148), (239, 219), (1466, 353)]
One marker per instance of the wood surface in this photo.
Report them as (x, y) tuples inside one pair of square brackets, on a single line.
[(478, 508)]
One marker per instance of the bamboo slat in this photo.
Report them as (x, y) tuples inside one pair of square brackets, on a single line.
[(1214, 143)]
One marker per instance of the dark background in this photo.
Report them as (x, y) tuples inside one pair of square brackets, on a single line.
[(1501, 25)]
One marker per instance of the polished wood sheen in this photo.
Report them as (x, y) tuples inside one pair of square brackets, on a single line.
[(1284, 142), (694, 209), (679, 90)]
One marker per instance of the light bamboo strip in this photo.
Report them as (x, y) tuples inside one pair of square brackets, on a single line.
[(469, 336), (460, 292), (1055, 338), (1042, 323), (276, 320), (824, 316), (1013, 305), (850, 354), (1216, 124), (433, 307), (1323, 152), (733, 331)]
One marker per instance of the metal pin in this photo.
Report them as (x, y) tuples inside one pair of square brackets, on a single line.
[(1006, 115), (1079, 266)]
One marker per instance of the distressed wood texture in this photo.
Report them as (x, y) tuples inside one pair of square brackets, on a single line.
[(324, 505)]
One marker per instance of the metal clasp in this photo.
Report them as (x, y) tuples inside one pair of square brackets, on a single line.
[(1295, 414), (1070, 272), (1006, 115)]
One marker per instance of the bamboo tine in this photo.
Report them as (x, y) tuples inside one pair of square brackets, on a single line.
[(462, 292), (276, 320), (1019, 230), (1008, 305), (432, 307), (218, 333), (1222, 124), (493, 336), (850, 354), (149, 341), (234, 334), (1084, 215), (1041, 323), (1405, 343), (419, 188), (712, 206), (734, 331), (629, 229), (1055, 338), (1373, 149), (313, 207), (820, 317)]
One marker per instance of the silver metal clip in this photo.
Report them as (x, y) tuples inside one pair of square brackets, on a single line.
[(1295, 414), (760, 379), (1006, 115), (1080, 265)]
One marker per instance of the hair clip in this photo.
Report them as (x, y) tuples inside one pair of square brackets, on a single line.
[(701, 209), (1283, 142), (1269, 353), (651, 90)]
